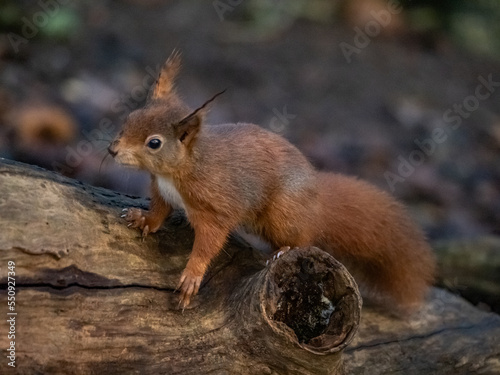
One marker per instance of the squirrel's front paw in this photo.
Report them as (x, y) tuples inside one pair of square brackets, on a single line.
[(189, 285), (138, 218)]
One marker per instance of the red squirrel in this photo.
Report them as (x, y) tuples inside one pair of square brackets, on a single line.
[(232, 176)]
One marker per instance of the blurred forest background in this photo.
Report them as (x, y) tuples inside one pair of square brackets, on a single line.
[(404, 94)]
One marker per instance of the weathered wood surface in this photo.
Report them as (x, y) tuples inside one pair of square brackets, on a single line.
[(92, 298)]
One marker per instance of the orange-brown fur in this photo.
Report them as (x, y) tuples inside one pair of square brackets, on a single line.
[(240, 175)]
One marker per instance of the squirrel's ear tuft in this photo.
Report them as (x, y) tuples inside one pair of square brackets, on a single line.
[(164, 86)]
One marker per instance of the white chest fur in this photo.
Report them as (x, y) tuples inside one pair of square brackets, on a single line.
[(169, 192)]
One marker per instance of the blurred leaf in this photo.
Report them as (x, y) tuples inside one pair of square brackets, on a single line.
[(476, 33), (62, 25)]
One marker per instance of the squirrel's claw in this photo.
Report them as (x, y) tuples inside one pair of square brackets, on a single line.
[(188, 286), (279, 253), (145, 232), (135, 217), (138, 218)]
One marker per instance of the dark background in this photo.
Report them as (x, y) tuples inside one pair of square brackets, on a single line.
[(71, 70)]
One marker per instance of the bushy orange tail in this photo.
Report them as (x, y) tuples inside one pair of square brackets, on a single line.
[(375, 238)]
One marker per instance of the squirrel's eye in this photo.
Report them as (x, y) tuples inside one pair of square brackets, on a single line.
[(154, 144)]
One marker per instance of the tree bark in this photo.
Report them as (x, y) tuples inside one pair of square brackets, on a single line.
[(91, 297)]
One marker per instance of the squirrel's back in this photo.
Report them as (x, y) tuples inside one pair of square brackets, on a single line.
[(250, 162), (262, 179)]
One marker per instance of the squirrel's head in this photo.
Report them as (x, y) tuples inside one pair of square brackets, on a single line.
[(160, 137)]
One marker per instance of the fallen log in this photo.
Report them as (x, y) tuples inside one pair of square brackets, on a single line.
[(91, 297)]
